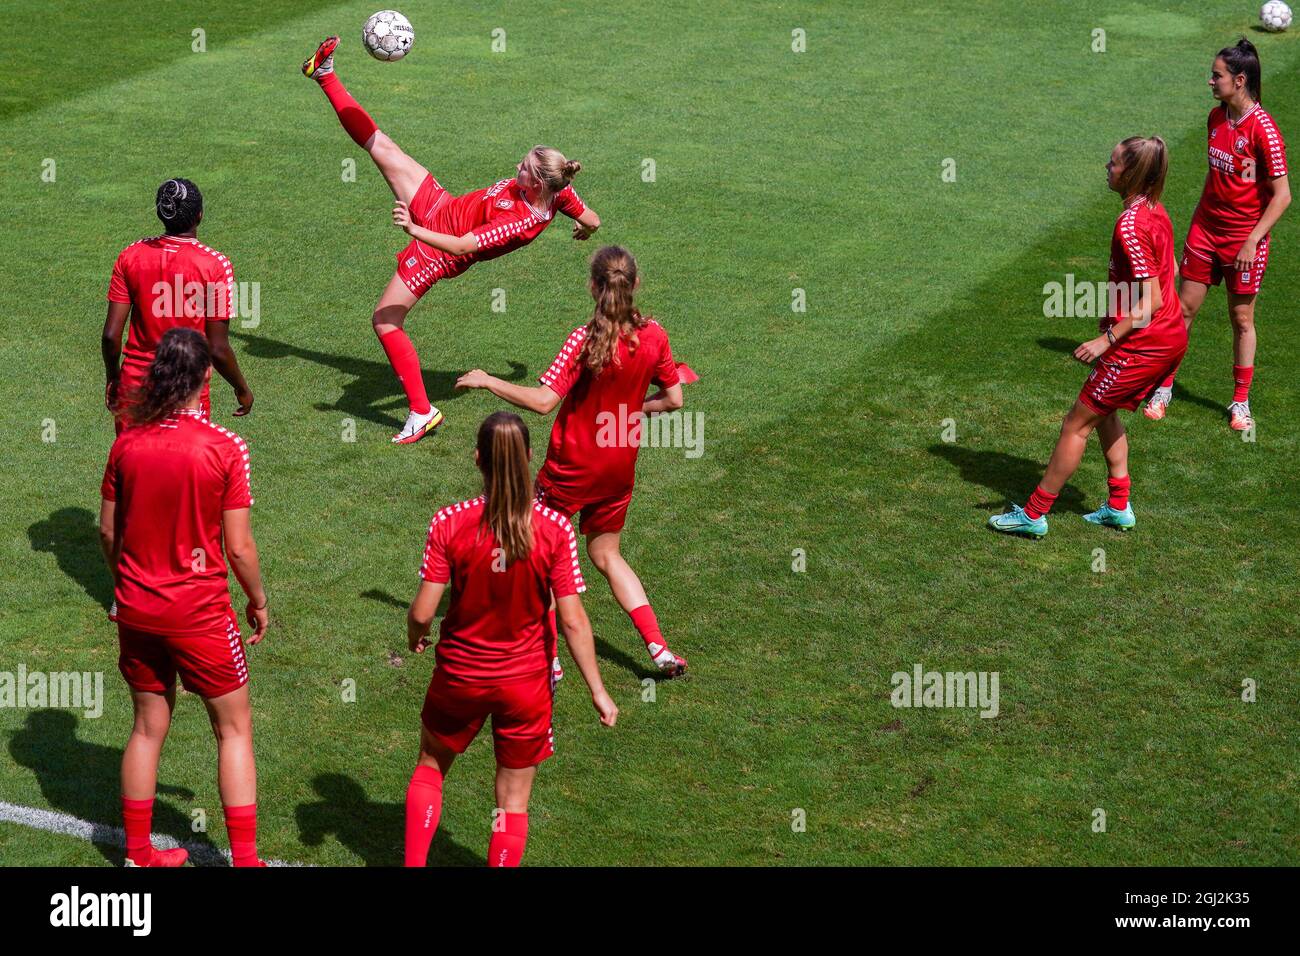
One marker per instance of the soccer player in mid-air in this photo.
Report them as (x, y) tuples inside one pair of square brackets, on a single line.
[(504, 555), (448, 233), (169, 281), (1246, 191), (175, 507), (599, 379), (1143, 339)]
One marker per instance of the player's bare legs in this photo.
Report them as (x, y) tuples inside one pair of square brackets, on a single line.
[(153, 717), (603, 549), (1191, 295), (424, 797), (389, 321), (1116, 512), (402, 173), (231, 716), (514, 785), (1241, 311)]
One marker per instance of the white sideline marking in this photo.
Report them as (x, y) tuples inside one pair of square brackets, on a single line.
[(201, 854)]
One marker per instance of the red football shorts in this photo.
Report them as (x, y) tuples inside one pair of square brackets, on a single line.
[(1125, 379), (454, 712), (209, 665), (1208, 257), (594, 517), (131, 379), (418, 265)]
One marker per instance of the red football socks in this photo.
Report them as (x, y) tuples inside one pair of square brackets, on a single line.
[(1169, 382), (1241, 376), (1118, 498), (354, 119), (1040, 503), (506, 848), (423, 809), (406, 363), (137, 816), (241, 827), (643, 618)]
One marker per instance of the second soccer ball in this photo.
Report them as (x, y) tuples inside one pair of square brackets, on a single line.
[(387, 35)]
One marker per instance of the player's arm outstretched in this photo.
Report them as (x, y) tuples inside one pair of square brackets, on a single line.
[(535, 398)]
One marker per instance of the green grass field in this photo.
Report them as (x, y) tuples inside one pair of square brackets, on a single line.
[(776, 171)]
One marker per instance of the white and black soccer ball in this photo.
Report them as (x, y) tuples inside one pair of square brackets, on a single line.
[(1275, 16), (388, 35)]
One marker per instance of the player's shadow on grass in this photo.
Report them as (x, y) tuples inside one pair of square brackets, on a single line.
[(84, 780), (72, 536), (1014, 479), (1057, 343), (373, 393), (372, 830)]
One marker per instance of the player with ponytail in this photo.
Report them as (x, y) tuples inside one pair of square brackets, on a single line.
[(165, 282), (504, 555), (175, 508), (1142, 340), (602, 374), (448, 234), (1246, 191)]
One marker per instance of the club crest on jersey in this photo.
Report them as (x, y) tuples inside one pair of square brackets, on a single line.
[(504, 203), (1240, 144), (410, 263)]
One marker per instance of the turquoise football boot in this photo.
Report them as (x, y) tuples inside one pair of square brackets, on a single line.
[(1108, 516), (1016, 521)]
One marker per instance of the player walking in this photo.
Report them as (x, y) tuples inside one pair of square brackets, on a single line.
[(169, 281), (602, 374), (1142, 341), (1246, 191), (448, 233), (176, 487), (504, 555)]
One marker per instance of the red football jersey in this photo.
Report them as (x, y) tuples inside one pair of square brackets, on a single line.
[(493, 628), (171, 481), (169, 281), (500, 218), (1142, 247), (597, 433), (1244, 157)]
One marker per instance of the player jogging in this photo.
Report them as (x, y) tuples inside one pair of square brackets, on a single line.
[(504, 555), (1246, 191), (448, 233), (1143, 339), (175, 489), (169, 281), (602, 374)]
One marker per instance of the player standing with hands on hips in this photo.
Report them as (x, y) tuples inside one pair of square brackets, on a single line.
[(1140, 344), (1246, 191), (176, 498)]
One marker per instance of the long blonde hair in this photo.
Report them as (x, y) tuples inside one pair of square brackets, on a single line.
[(613, 280), (507, 483)]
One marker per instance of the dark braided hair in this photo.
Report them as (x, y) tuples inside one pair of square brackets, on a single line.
[(177, 373), (179, 204)]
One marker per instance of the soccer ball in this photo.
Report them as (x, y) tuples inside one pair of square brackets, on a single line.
[(388, 35), (1275, 16)]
